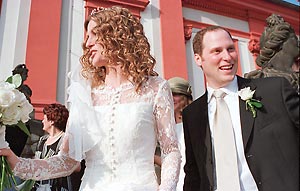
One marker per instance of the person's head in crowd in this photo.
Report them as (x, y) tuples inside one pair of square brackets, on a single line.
[(182, 95), (55, 116), (115, 37), (215, 53)]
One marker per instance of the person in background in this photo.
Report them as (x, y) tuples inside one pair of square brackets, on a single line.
[(54, 125), (77, 175), (182, 97), (241, 134), (119, 109)]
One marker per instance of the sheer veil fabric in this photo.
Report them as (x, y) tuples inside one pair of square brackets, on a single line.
[(83, 130)]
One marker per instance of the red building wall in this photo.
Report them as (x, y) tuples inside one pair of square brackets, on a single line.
[(42, 52)]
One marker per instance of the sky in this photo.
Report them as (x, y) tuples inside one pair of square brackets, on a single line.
[(295, 2)]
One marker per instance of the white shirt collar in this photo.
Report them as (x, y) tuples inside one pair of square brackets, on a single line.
[(230, 89)]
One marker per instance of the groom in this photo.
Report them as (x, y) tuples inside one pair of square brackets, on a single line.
[(265, 145)]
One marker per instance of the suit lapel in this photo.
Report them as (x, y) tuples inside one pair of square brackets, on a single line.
[(247, 119), (200, 114), (207, 139)]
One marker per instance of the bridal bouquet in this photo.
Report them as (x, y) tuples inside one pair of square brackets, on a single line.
[(14, 110)]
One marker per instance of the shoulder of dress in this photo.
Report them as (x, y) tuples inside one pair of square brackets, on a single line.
[(156, 79), (154, 82), (154, 85)]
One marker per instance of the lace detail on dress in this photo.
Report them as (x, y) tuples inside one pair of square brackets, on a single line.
[(43, 169), (126, 93), (118, 123), (169, 171), (166, 134)]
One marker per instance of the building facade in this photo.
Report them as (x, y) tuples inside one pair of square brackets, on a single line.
[(47, 35)]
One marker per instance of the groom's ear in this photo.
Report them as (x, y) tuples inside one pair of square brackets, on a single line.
[(198, 60)]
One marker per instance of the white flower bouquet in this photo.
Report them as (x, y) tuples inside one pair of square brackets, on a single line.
[(14, 110)]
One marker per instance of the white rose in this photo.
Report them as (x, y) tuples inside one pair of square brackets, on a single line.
[(24, 106), (26, 109), (7, 86), (19, 97), (7, 94), (11, 115), (246, 93)]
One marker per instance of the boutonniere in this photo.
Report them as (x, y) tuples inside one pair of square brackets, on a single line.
[(246, 94)]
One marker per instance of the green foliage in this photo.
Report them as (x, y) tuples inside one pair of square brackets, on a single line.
[(7, 177), (23, 127), (15, 79)]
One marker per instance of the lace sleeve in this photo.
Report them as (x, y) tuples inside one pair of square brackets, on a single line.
[(171, 158), (56, 166)]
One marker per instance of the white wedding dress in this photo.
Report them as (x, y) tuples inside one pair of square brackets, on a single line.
[(115, 131)]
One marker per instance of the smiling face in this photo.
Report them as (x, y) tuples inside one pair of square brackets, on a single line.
[(218, 59), (96, 50)]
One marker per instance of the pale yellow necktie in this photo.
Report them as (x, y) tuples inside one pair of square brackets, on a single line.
[(224, 145)]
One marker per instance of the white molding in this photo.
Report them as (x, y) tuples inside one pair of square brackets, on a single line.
[(246, 59), (14, 22), (150, 19), (195, 73), (71, 39), (214, 19)]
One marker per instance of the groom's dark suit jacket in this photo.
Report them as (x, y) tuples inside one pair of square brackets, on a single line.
[(271, 140)]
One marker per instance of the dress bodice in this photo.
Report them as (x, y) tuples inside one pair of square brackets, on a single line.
[(125, 152)]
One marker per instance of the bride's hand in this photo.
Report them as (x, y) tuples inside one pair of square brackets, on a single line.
[(11, 158)]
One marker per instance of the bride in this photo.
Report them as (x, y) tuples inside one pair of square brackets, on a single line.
[(119, 109)]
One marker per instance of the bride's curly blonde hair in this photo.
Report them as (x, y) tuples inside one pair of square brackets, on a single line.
[(122, 37)]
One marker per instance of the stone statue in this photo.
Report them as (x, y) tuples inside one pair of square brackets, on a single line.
[(279, 52), (23, 71)]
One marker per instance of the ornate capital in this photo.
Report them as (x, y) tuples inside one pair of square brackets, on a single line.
[(254, 46), (136, 7)]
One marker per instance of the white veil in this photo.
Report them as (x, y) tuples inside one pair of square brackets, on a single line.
[(83, 129)]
